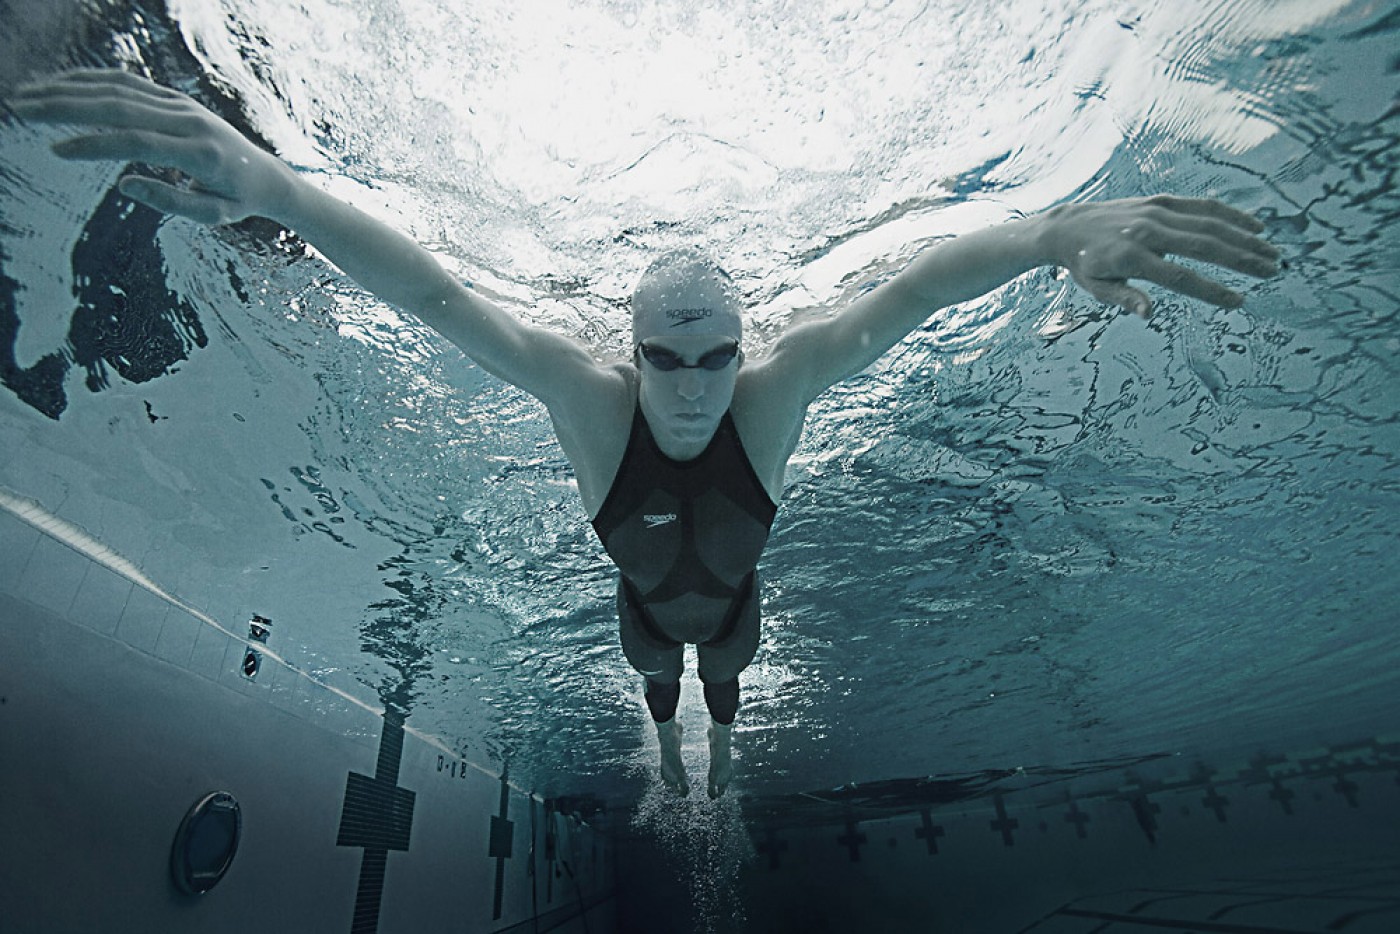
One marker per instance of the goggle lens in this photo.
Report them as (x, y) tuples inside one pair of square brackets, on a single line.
[(668, 360)]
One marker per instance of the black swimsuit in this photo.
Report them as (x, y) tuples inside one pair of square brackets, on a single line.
[(686, 536)]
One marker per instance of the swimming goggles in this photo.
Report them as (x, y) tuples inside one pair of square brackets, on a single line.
[(667, 360)]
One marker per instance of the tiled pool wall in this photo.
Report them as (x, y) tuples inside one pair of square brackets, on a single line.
[(121, 706)]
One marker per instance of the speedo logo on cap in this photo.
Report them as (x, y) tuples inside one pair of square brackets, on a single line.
[(683, 316)]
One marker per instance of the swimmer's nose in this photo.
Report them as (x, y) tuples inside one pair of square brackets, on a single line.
[(690, 386)]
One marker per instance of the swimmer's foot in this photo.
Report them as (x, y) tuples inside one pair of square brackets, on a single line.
[(721, 765), (672, 769)]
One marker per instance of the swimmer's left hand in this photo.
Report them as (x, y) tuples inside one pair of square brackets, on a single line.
[(1105, 244)]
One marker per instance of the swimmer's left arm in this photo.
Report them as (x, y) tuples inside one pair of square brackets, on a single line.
[(1103, 245)]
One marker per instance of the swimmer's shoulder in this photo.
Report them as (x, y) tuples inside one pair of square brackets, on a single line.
[(768, 415), (593, 425)]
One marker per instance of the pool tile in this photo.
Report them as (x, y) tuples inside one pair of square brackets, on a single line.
[(288, 691), (213, 651), (176, 641), (17, 541), (53, 575), (100, 600), (142, 620)]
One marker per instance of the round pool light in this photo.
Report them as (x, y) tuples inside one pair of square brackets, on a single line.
[(206, 843)]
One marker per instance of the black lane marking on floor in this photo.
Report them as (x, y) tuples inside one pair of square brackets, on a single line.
[(378, 816), (929, 832), (1004, 824), (773, 847), (1212, 927), (852, 839)]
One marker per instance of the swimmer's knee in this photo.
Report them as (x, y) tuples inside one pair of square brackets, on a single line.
[(717, 674), (662, 699), (723, 700)]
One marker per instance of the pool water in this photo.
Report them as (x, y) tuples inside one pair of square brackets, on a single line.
[(1034, 539)]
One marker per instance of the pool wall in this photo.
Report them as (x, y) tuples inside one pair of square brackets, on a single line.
[(121, 707)]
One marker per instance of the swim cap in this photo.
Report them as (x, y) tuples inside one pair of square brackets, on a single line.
[(685, 293)]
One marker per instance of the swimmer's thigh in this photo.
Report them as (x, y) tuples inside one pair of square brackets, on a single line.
[(661, 660), (722, 661)]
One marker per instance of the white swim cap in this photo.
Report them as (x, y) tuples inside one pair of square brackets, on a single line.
[(685, 292)]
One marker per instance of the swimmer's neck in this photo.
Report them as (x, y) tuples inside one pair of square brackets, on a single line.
[(681, 451), (677, 445)]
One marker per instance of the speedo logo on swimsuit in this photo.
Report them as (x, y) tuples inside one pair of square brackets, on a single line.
[(683, 316), (657, 520)]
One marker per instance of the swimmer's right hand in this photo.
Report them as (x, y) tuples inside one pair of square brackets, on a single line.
[(229, 178)]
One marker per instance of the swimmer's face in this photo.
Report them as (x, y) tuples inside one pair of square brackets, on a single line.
[(686, 331), (687, 384)]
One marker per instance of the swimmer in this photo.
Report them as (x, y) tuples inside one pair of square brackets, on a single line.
[(680, 450)]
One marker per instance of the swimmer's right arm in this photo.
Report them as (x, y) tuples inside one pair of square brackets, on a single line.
[(232, 179)]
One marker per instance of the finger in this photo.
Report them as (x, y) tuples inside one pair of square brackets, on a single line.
[(1208, 207), (117, 76), (137, 146), (1180, 279), (1225, 232), (105, 111), (87, 79), (196, 205), (1117, 292), (44, 91), (1207, 247), (104, 98)]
